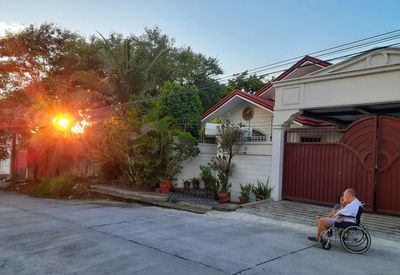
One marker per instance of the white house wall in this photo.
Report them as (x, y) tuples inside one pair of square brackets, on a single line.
[(254, 163), (192, 168), (5, 166), (261, 120)]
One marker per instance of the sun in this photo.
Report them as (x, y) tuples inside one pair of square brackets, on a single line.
[(62, 122)]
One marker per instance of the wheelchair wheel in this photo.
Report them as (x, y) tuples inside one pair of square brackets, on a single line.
[(355, 239), (327, 245)]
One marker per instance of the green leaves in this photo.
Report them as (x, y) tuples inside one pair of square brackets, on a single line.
[(182, 103)]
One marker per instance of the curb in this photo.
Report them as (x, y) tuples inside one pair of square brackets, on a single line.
[(114, 192)]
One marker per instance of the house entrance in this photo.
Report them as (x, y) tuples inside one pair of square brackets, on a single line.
[(320, 163)]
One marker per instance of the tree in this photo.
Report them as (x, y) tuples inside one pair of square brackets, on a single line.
[(182, 103), (230, 139), (212, 92), (248, 83)]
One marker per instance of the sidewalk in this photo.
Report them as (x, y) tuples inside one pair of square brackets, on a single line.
[(177, 201), (384, 226)]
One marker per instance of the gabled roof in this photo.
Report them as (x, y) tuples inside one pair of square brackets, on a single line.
[(371, 59), (268, 103), (259, 101), (295, 66)]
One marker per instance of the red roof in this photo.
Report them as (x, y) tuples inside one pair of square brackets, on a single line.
[(291, 69), (266, 103)]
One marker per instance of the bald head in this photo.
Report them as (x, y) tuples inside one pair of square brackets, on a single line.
[(349, 195)]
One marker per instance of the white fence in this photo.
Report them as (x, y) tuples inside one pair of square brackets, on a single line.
[(254, 163)]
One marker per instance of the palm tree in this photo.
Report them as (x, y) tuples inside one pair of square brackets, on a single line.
[(127, 67)]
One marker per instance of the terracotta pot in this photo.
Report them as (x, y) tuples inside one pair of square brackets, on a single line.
[(224, 197), (165, 186), (186, 185), (243, 200)]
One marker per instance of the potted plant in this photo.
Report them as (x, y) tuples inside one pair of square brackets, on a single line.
[(245, 193), (186, 185), (224, 195), (182, 147), (230, 139), (262, 190), (195, 183), (207, 177)]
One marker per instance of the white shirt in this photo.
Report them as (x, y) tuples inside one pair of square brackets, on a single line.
[(350, 209)]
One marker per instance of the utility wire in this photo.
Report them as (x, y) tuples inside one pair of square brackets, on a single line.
[(204, 88), (320, 52)]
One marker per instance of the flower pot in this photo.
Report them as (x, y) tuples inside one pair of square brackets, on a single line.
[(243, 200), (186, 185), (165, 186), (224, 197)]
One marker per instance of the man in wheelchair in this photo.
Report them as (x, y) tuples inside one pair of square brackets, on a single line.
[(346, 224)]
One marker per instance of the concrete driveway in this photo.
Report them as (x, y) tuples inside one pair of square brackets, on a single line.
[(40, 236)]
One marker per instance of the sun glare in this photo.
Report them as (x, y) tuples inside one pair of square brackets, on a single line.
[(61, 122), (68, 123)]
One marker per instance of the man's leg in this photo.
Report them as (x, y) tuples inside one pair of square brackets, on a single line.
[(322, 225)]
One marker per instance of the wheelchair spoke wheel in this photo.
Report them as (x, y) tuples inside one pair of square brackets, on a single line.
[(355, 239)]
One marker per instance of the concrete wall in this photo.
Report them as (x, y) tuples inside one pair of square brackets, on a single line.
[(254, 163), (5, 166), (192, 168)]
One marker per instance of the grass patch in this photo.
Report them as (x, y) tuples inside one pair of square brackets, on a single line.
[(58, 187)]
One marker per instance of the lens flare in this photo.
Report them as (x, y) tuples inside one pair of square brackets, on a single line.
[(61, 122), (68, 123)]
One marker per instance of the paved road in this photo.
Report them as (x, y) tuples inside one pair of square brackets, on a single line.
[(63, 237)]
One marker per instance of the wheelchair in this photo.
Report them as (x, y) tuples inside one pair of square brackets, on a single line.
[(353, 237)]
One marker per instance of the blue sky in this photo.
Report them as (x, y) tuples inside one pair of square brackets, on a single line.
[(242, 34)]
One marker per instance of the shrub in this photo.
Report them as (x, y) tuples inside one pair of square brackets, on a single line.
[(262, 190), (53, 188), (207, 177), (245, 191)]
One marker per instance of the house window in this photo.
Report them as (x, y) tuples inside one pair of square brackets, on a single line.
[(310, 139)]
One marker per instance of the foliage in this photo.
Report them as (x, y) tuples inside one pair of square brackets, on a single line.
[(195, 181), (109, 143), (47, 69), (183, 148), (211, 92), (206, 175), (182, 103), (262, 190), (248, 83), (224, 184), (55, 187), (245, 190), (230, 138)]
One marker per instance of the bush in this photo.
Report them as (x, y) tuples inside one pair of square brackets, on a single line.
[(207, 177), (262, 190), (53, 188), (245, 191)]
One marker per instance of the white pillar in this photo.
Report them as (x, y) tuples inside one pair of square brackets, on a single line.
[(282, 120)]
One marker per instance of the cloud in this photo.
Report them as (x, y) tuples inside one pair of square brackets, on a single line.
[(11, 27)]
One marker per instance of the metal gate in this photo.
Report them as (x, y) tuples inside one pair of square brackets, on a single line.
[(319, 164)]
